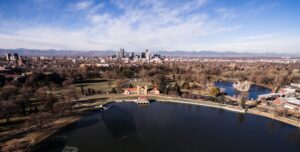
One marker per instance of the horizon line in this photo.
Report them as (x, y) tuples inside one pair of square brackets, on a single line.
[(116, 50)]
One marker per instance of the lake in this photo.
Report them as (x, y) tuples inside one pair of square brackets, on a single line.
[(253, 93), (172, 127)]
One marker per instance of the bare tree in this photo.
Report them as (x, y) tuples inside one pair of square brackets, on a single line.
[(67, 102), (242, 99), (62, 106), (7, 109), (22, 103), (14, 145), (39, 120), (27, 93), (68, 82), (49, 101), (41, 93), (70, 94), (8, 91)]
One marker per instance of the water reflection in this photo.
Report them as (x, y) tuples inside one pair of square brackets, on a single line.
[(127, 127), (241, 118), (272, 126), (55, 144), (221, 111), (198, 109), (83, 124), (295, 137), (120, 122), (253, 93), (189, 108), (145, 106)]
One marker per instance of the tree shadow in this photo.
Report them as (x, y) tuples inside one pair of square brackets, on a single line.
[(91, 81), (92, 100), (55, 144), (10, 125)]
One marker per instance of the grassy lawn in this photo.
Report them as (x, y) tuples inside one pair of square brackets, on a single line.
[(14, 123), (198, 92), (97, 84), (141, 83)]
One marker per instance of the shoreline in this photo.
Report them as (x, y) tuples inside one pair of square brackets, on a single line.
[(277, 118), (225, 107), (198, 102), (249, 111), (234, 109), (37, 137)]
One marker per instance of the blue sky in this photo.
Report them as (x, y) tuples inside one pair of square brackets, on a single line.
[(190, 25)]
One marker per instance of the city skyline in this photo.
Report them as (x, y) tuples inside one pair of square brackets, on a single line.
[(195, 25)]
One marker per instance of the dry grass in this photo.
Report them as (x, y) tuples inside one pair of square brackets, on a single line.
[(141, 83), (101, 85)]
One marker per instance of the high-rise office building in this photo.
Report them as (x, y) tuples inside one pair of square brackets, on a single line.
[(131, 55), (147, 54), (12, 57), (121, 53), (8, 56), (143, 55), (15, 57)]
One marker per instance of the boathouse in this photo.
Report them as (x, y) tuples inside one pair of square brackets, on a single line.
[(139, 90)]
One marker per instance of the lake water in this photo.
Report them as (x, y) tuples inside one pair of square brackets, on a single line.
[(172, 127), (253, 93)]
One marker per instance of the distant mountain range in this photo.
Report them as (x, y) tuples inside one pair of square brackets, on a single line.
[(223, 54), (72, 53)]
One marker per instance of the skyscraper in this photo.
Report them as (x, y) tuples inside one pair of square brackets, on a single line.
[(131, 55), (147, 54), (12, 56), (121, 53), (8, 56), (15, 57), (143, 55)]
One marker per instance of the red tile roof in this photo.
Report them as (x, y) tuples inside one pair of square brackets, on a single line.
[(131, 89)]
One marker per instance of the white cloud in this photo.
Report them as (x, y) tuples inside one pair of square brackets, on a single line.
[(82, 5), (152, 24), (227, 13), (260, 37), (276, 42)]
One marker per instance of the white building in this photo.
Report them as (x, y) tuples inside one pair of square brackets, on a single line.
[(287, 91), (147, 54), (292, 103), (296, 85)]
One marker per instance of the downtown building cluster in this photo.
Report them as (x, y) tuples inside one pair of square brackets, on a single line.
[(141, 56)]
